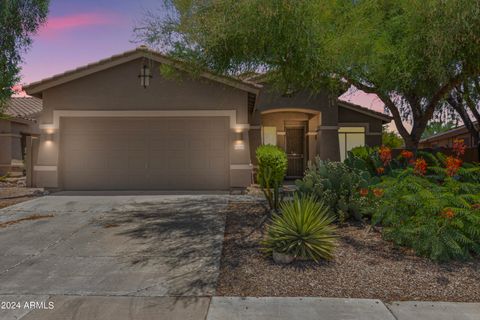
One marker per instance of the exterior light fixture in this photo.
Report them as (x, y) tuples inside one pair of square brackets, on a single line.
[(239, 143), (145, 76), (239, 136)]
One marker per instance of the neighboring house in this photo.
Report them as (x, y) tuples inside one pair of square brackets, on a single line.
[(445, 139), (19, 123), (118, 124)]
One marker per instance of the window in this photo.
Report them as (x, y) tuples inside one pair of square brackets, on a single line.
[(269, 135), (349, 138)]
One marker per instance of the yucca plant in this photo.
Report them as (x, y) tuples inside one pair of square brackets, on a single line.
[(303, 230)]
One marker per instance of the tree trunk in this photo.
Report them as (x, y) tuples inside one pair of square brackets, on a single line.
[(459, 107)]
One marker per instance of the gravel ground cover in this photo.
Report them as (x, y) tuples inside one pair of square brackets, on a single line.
[(365, 266), (13, 191)]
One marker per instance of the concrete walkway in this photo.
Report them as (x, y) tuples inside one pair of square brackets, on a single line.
[(231, 308)]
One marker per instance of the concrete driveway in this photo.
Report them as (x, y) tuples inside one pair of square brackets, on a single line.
[(163, 247)]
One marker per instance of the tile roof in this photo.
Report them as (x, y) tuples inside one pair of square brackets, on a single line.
[(24, 107)]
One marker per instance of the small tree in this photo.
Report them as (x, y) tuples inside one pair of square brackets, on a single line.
[(272, 166), (391, 139)]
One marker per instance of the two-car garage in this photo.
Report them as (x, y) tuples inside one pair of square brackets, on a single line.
[(103, 128), (157, 153)]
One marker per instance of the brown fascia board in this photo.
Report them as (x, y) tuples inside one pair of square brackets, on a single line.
[(36, 88), (446, 134)]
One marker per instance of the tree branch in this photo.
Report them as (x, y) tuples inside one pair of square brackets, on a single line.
[(397, 118)]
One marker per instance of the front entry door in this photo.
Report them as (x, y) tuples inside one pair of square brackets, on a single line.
[(295, 148)]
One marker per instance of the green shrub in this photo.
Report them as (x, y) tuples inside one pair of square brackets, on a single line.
[(364, 152), (336, 185), (272, 166), (303, 229), (440, 221), (391, 139)]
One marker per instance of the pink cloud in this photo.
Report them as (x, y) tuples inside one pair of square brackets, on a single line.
[(57, 25), (18, 91), (363, 99)]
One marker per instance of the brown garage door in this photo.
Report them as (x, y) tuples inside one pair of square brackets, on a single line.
[(145, 153)]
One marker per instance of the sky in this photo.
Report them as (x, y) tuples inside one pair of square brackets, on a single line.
[(79, 32)]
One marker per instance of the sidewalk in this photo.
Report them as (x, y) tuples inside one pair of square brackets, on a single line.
[(236, 308), (233, 308)]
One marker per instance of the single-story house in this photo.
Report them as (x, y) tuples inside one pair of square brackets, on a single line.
[(123, 124), (445, 139), (18, 122)]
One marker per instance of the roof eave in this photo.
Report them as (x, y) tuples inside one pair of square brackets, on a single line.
[(36, 88), (385, 118)]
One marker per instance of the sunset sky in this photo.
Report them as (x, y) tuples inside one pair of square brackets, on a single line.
[(81, 32)]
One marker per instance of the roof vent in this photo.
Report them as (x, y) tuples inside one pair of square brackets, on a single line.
[(142, 47)]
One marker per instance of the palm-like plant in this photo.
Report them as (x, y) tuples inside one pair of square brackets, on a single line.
[(303, 229)]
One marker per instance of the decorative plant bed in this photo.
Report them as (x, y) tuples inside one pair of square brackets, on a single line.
[(365, 266)]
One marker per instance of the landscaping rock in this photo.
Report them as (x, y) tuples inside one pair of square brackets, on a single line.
[(364, 266), (282, 258)]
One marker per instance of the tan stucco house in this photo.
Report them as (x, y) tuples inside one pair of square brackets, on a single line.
[(16, 125), (119, 124)]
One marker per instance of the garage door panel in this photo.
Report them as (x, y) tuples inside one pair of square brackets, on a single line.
[(145, 153), (200, 162), (217, 144), (116, 160), (178, 160), (117, 141), (158, 160), (199, 143), (159, 142), (217, 163), (96, 162)]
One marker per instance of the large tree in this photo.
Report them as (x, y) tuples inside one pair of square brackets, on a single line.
[(19, 19), (410, 53)]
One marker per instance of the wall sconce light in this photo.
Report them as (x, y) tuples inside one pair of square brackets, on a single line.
[(145, 76), (49, 137), (239, 144), (239, 136)]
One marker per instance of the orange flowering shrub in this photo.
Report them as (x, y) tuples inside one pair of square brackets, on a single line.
[(385, 154), (406, 154), (420, 167), (452, 165), (363, 192), (380, 170), (378, 192), (459, 147), (448, 213)]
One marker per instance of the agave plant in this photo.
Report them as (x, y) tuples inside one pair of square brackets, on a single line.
[(303, 229)]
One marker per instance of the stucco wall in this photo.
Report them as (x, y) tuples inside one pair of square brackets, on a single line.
[(350, 116), (269, 98), (119, 88)]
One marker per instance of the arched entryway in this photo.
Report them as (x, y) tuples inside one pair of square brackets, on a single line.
[(295, 131)]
